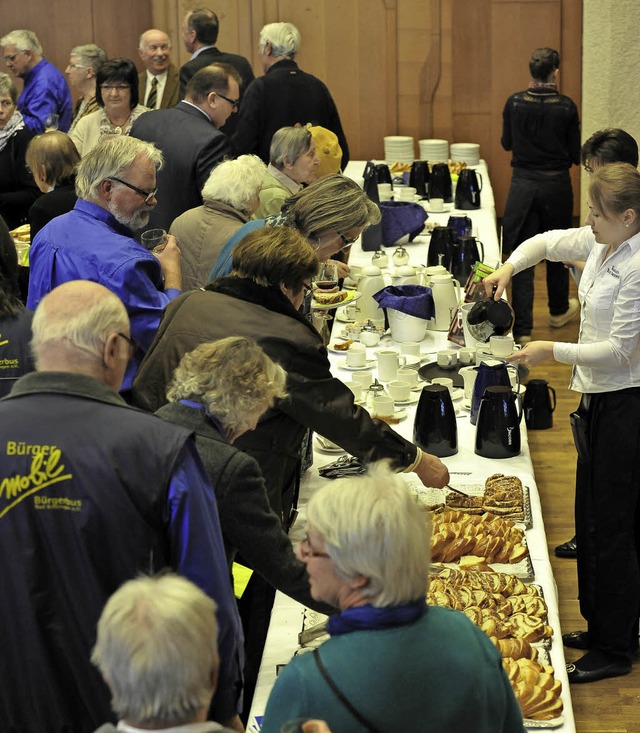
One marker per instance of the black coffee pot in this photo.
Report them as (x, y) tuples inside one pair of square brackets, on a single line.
[(440, 182), (538, 410), (465, 255), (419, 176), (383, 174), (440, 247), (468, 189), (461, 225), (435, 429), (498, 428)]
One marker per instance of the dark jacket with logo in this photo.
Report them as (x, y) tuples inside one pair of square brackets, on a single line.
[(15, 354), (92, 493)]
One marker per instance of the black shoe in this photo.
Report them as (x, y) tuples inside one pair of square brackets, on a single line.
[(567, 549), (576, 640), (614, 669)]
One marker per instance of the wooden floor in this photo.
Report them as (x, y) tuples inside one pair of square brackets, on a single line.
[(609, 706)]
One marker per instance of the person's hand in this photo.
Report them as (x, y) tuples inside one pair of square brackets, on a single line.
[(169, 258), (500, 279), (343, 268), (234, 723), (533, 353), (432, 471), (315, 726)]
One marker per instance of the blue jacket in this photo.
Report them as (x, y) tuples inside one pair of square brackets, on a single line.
[(93, 493), (45, 92), (89, 244)]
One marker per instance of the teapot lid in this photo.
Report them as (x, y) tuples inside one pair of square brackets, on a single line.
[(371, 270)]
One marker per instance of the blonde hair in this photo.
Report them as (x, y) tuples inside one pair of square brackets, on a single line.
[(373, 526), (614, 188), (233, 378), (55, 152)]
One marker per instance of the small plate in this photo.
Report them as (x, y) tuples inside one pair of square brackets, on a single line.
[(445, 210), (351, 296), (333, 350), (369, 363), (411, 360), (411, 401), (457, 393), (342, 317), (399, 414)]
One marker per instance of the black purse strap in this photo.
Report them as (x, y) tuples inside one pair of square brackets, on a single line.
[(341, 696)]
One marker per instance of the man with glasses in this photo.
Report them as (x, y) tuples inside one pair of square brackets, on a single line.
[(190, 139), (116, 187), (45, 89), (97, 493)]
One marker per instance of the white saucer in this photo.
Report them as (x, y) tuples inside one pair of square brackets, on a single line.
[(333, 350), (457, 393), (411, 360), (399, 414), (341, 315), (445, 210), (369, 363), (411, 401)]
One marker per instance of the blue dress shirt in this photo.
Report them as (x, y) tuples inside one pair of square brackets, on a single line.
[(45, 92)]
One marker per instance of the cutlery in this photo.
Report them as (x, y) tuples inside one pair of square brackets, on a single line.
[(457, 491)]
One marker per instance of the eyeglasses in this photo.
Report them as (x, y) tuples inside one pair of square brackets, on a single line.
[(346, 243), (232, 102), (588, 169), (146, 195), (133, 346), (11, 58), (307, 287), (82, 66), (307, 551), (116, 87)]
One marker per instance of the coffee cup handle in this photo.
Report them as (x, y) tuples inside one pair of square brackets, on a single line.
[(402, 361)]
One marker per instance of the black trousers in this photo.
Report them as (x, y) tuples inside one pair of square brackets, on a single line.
[(607, 521), (536, 203)]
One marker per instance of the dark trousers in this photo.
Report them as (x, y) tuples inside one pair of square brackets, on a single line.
[(537, 203), (607, 521)]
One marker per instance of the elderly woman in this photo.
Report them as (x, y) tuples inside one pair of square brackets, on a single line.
[(392, 663), (84, 62), (292, 163), (331, 213), (117, 97), (15, 321), (230, 196), (52, 159), (17, 189), (606, 425)]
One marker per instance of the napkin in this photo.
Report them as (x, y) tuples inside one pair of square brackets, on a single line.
[(400, 218), (414, 300)]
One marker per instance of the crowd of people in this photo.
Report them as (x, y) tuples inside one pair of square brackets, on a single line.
[(207, 331)]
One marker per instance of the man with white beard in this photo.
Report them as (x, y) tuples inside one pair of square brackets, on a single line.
[(116, 188)]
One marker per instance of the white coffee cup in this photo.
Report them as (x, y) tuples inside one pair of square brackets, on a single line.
[(364, 379), (469, 375), (406, 374), (407, 192), (410, 348), (444, 382), (384, 188), (383, 405), (467, 355), (351, 311), (436, 204), (447, 358), (388, 363), (356, 356), (399, 391), (356, 388), (501, 345)]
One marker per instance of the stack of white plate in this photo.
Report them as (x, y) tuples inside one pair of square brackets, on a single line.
[(435, 151), (468, 153), (398, 149)]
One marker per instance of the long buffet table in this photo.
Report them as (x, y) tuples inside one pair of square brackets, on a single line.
[(465, 468)]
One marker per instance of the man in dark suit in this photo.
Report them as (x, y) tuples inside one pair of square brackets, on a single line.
[(159, 85), (200, 33), (190, 140), (284, 96)]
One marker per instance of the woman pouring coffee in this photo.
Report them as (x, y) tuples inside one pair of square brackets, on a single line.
[(606, 425)]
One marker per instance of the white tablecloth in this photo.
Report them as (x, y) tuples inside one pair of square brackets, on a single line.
[(286, 618)]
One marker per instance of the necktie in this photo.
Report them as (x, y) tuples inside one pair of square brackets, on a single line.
[(153, 94)]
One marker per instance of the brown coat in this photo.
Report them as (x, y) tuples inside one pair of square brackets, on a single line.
[(171, 94)]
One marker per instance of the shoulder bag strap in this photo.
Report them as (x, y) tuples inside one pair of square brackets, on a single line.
[(222, 265), (341, 696)]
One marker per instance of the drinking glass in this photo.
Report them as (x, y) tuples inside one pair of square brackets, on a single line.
[(325, 281), (51, 122), (153, 238)]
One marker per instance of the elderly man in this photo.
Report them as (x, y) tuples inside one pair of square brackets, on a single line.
[(97, 493), (159, 84), (116, 187), (189, 137), (284, 96), (84, 62), (156, 649), (45, 90)]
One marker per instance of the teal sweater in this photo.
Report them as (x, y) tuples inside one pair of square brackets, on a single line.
[(440, 674)]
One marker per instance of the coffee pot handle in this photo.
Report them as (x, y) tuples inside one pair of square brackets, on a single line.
[(481, 250), (480, 177), (520, 407), (459, 292), (515, 366), (553, 392)]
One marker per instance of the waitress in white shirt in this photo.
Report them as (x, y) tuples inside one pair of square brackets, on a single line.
[(606, 426)]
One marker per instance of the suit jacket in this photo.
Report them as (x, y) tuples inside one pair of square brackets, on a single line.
[(55, 203), (171, 94), (192, 146)]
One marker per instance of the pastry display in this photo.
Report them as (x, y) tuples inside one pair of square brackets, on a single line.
[(536, 688), (503, 496), (22, 233)]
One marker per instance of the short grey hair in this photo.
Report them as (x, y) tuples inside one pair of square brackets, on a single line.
[(91, 55), (23, 40), (283, 37), (156, 648), (288, 144), (84, 322), (373, 526), (8, 87), (236, 182), (233, 378), (110, 157)]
